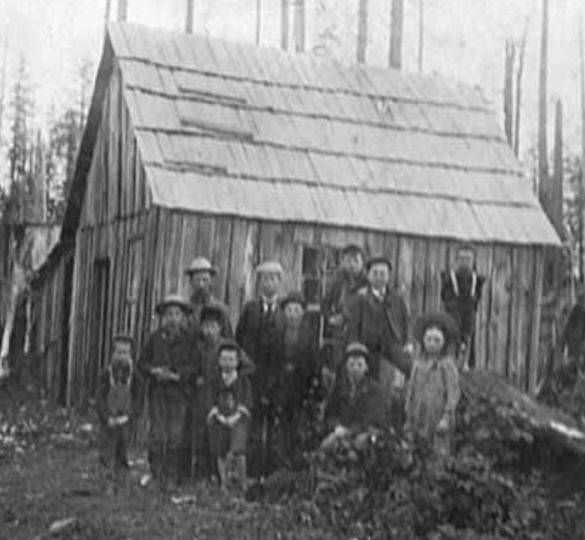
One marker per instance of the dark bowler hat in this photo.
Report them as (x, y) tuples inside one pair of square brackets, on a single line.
[(173, 300), (123, 338), (352, 249), (200, 264), (378, 259), (294, 297), (228, 344), (356, 348), (211, 313), (437, 319)]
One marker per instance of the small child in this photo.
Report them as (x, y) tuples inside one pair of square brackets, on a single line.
[(119, 403), (229, 414), (433, 389)]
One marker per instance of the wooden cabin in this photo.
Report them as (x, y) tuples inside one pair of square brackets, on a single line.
[(198, 146)]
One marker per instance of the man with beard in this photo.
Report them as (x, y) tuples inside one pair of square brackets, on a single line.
[(201, 273), (168, 365), (461, 292)]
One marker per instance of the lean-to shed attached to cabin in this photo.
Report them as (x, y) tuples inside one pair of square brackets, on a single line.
[(202, 146)]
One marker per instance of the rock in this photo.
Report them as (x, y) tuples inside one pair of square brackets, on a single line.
[(61, 524), (184, 499), (145, 480)]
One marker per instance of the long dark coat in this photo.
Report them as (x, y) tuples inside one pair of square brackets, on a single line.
[(574, 333), (258, 333), (342, 294), (365, 408), (382, 326)]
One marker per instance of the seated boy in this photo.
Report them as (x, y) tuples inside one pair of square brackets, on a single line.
[(119, 403), (229, 414)]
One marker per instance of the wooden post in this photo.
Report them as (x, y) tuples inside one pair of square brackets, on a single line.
[(421, 32), (122, 10), (362, 33), (396, 26), (509, 91), (189, 17)]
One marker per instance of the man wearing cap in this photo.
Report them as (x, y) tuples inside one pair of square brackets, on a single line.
[(260, 324), (345, 288), (379, 319), (168, 364), (461, 289), (201, 273)]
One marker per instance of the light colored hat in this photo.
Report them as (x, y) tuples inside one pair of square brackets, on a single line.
[(201, 264), (270, 267), (173, 300), (358, 349)]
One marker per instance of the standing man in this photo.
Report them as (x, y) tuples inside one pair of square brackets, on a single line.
[(573, 341), (201, 273), (461, 292), (168, 364), (258, 330), (379, 320), (351, 279)]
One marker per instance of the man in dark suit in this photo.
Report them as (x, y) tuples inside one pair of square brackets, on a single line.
[(379, 320), (258, 331)]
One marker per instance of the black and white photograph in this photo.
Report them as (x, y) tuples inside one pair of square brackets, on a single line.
[(292, 269)]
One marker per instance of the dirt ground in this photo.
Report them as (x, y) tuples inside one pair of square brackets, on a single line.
[(49, 472)]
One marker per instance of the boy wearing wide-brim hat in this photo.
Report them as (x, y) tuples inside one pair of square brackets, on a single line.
[(433, 389), (168, 362), (201, 273), (259, 328)]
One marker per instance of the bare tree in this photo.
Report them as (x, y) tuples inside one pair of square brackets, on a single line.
[(3, 83), (421, 32), (362, 33), (396, 27), (557, 186), (518, 104), (582, 183), (108, 12), (258, 20), (122, 10), (284, 25), (509, 90), (544, 191), (299, 25), (189, 17)]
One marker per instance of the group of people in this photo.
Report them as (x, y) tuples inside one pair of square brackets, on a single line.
[(225, 404)]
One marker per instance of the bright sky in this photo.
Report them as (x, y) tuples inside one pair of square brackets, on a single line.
[(464, 40)]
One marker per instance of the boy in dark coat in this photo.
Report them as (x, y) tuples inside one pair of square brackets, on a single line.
[(350, 280), (461, 292), (379, 320), (257, 333), (356, 405), (229, 413), (119, 401), (168, 363), (298, 372)]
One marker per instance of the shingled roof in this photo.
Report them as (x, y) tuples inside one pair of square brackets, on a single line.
[(228, 128)]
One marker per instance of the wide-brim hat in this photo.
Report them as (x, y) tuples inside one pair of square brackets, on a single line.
[(379, 259), (351, 249), (270, 267), (173, 300), (294, 297), (438, 319), (355, 348), (211, 313), (200, 264)]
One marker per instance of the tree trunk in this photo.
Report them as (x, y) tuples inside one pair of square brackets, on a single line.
[(284, 25), (122, 10), (299, 25), (421, 33), (518, 105), (189, 17), (396, 26), (3, 84), (107, 12), (509, 91), (17, 286), (362, 32), (557, 187), (582, 184), (544, 188), (258, 20)]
